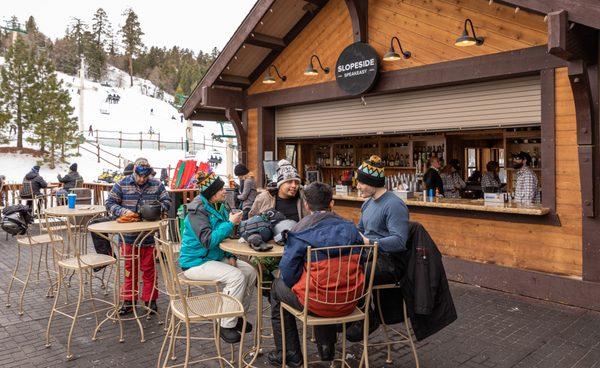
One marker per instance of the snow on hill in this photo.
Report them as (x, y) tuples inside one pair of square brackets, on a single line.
[(137, 111)]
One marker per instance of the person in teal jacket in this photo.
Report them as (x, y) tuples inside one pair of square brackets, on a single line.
[(206, 225)]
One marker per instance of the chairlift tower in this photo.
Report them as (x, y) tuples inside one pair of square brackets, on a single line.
[(15, 28)]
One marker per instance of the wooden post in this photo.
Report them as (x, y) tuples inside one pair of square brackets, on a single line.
[(182, 148), (141, 142), (120, 139), (98, 147), (159, 141), (97, 142)]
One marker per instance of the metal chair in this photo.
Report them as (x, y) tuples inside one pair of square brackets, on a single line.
[(402, 338), (188, 310), (84, 195), (70, 260), (337, 262)]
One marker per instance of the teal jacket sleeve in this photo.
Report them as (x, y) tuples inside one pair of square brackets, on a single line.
[(209, 237)]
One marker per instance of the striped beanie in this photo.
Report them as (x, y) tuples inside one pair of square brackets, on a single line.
[(371, 172), (286, 172), (209, 184)]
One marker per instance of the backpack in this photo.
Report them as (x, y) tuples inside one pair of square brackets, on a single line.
[(258, 230), (16, 219)]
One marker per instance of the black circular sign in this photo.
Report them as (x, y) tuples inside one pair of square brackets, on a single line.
[(357, 68)]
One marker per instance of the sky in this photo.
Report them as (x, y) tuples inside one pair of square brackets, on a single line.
[(194, 24)]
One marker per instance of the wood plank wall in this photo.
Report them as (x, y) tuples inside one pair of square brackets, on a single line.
[(428, 28), (252, 160), (553, 249)]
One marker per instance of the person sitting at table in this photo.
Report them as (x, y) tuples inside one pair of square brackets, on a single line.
[(432, 178), (207, 224), (69, 181), (490, 181), (451, 178), (286, 198), (321, 228), (33, 183), (124, 198)]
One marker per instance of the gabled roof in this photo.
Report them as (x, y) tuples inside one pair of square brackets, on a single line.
[(272, 24)]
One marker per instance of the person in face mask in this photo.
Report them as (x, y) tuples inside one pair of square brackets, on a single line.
[(526, 184)]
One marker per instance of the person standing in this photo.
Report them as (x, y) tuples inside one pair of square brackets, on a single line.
[(90, 131), (124, 198), (206, 225), (383, 219), (286, 198), (432, 177), (490, 181), (526, 185), (451, 179), (247, 187)]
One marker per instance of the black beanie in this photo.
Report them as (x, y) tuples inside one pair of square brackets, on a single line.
[(371, 172), (240, 170), (73, 167), (209, 184)]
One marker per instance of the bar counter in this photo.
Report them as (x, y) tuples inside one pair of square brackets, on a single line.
[(462, 204)]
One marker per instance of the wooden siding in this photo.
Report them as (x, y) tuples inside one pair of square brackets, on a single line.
[(553, 249), (428, 28)]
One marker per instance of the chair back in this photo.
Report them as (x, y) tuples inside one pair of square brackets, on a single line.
[(170, 231), (78, 184), (13, 193), (84, 195), (336, 277), (169, 270), (61, 249)]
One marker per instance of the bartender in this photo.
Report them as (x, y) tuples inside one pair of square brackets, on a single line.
[(432, 178), (526, 186)]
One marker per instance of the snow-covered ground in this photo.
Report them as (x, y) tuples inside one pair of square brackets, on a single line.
[(137, 111)]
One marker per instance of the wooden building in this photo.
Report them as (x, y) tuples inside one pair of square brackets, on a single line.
[(532, 84)]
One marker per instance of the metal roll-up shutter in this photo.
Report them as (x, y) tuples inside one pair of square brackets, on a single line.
[(510, 102)]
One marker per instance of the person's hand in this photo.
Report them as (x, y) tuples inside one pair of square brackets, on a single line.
[(235, 218), (365, 239), (232, 261)]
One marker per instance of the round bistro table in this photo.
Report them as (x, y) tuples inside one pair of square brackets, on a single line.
[(233, 246), (78, 218), (108, 230)]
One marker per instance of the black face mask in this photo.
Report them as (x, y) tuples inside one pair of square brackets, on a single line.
[(517, 165)]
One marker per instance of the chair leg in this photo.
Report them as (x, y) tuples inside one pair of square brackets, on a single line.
[(187, 344), (26, 282), (48, 276), (216, 330), (39, 265), (344, 364), (91, 293), (365, 354), (283, 347), (79, 300), (410, 338), (14, 275), (385, 329), (242, 342), (162, 347), (304, 345), (174, 339), (57, 296)]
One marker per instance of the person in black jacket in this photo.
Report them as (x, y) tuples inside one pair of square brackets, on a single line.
[(432, 177), (69, 181), (33, 183)]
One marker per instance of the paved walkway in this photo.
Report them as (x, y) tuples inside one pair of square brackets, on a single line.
[(494, 329)]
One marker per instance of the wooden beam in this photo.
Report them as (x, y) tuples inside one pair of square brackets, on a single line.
[(548, 149), (508, 64), (233, 81), (231, 48), (265, 41), (358, 10), (222, 98), (287, 39), (557, 34), (570, 42), (316, 2), (242, 134), (207, 114), (586, 12)]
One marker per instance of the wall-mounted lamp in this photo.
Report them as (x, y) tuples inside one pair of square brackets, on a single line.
[(310, 69), (269, 79), (392, 55), (465, 39)]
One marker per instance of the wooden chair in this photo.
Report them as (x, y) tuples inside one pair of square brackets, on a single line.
[(70, 260), (84, 195), (401, 336), (336, 267), (188, 310)]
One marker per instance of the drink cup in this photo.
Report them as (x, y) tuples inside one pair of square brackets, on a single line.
[(72, 198)]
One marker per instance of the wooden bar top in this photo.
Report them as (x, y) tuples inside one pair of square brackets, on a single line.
[(462, 204)]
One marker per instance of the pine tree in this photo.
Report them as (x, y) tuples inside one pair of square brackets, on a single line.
[(95, 56), (77, 33), (16, 77), (132, 39), (101, 28), (39, 102)]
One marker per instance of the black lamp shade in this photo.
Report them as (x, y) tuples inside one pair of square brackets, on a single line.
[(269, 79), (310, 70), (391, 55)]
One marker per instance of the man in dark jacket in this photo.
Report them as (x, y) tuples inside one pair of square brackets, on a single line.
[(321, 228), (69, 181), (432, 177), (33, 183)]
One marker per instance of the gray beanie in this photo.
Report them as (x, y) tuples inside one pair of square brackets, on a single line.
[(286, 172)]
